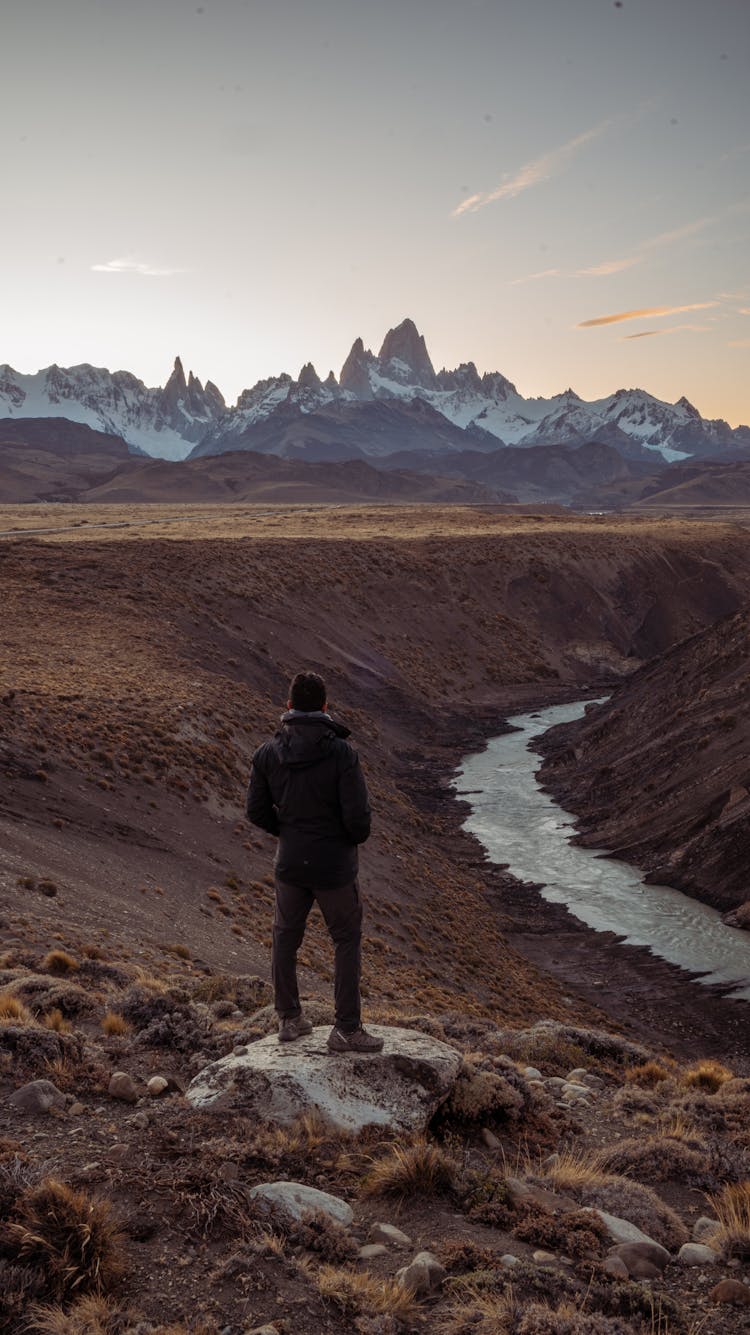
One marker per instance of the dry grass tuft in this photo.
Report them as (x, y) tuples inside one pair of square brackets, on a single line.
[(420, 1169), (92, 1315), (732, 1209), (59, 963), (68, 1236), (356, 1293), (115, 1025), (13, 1011), (708, 1075), (648, 1074), (55, 1020), (575, 1169)]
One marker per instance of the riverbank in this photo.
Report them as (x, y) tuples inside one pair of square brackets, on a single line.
[(635, 992)]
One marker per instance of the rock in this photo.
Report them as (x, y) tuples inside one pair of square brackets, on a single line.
[(157, 1085), (37, 1097), (399, 1088), (76, 1109), (295, 1200), (730, 1291), (544, 1258), (389, 1234), (525, 1193), (621, 1230), (704, 1229), (122, 1086), (531, 1073), (509, 1260), (643, 1260), (696, 1253), (371, 1250), (118, 1152), (490, 1139), (263, 1330), (579, 1091), (140, 1121), (422, 1276), (616, 1267)]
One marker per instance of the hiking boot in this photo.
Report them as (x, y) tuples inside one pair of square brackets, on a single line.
[(295, 1026), (358, 1041)]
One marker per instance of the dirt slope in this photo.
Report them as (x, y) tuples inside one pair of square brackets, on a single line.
[(660, 775), (139, 674)]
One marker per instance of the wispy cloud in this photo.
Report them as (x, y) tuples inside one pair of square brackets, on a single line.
[(739, 343), (677, 233), (608, 267), (533, 277), (532, 173), (129, 264), (674, 329), (644, 313)]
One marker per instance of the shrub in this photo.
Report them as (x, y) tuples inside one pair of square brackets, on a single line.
[(115, 1025), (708, 1075), (648, 1074), (575, 1234), (55, 1020), (420, 1169), (731, 1206), (659, 1158), (67, 1236), (59, 963), (481, 1096), (582, 1178), (12, 1009), (355, 1292)]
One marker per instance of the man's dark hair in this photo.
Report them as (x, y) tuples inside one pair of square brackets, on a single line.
[(307, 691)]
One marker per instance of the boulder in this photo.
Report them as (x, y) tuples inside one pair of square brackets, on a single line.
[(621, 1230), (157, 1085), (644, 1260), (295, 1201), (371, 1250), (615, 1267), (705, 1228), (422, 1276), (122, 1086), (696, 1253), (37, 1097), (398, 1089), (730, 1291)]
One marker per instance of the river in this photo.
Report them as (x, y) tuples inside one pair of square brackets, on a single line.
[(519, 824)]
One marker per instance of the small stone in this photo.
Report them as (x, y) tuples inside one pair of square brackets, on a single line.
[(122, 1086), (118, 1153), (490, 1139), (76, 1109), (509, 1260), (157, 1085), (730, 1291), (544, 1258), (705, 1228), (37, 1097), (263, 1330), (422, 1276), (140, 1121), (616, 1267), (696, 1253), (389, 1234), (531, 1073), (577, 1074), (621, 1230), (371, 1250)]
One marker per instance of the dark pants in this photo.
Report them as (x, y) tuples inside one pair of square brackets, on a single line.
[(342, 910)]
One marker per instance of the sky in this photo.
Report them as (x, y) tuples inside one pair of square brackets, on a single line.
[(555, 189)]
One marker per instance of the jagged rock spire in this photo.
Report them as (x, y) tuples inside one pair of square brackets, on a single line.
[(406, 344)]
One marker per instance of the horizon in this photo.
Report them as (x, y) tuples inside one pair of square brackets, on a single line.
[(559, 192)]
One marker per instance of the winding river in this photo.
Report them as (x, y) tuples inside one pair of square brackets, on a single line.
[(519, 824)]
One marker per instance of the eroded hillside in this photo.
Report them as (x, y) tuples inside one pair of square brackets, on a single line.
[(139, 674)]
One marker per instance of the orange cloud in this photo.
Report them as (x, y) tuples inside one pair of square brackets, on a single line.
[(644, 313), (608, 267)]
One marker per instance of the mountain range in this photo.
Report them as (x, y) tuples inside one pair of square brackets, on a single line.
[(381, 404)]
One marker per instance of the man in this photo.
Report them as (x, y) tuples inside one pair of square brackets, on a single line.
[(306, 787)]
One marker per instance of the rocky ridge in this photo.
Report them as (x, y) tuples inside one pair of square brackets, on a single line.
[(468, 410)]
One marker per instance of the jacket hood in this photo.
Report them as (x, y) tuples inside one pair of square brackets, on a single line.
[(305, 737)]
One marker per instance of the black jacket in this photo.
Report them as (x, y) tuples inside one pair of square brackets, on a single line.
[(306, 786)]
